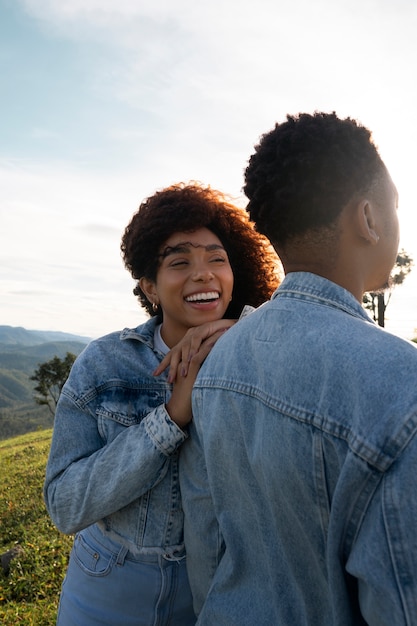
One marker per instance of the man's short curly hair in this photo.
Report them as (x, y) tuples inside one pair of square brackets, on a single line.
[(186, 208), (305, 170)]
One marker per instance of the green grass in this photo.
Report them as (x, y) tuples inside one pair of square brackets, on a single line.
[(29, 593)]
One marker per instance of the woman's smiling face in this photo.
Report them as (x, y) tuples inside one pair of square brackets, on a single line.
[(194, 282)]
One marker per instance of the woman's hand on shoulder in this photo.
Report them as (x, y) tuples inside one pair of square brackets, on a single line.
[(199, 339), (179, 405)]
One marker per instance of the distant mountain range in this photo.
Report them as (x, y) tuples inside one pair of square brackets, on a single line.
[(21, 351), (16, 335)]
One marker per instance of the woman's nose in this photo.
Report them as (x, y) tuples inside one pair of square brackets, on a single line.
[(203, 274)]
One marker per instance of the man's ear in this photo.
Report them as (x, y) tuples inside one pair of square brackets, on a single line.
[(366, 221), (149, 289)]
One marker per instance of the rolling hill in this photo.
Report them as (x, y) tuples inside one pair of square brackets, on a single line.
[(21, 351)]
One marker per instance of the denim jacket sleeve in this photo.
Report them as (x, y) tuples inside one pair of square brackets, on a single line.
[(384, 555), (89, 476), (204, 547)]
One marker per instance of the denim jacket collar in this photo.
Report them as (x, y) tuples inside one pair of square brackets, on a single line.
[(144, 332), (312, 287)]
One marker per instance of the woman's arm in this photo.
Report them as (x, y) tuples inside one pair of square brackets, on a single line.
[(88, 479)]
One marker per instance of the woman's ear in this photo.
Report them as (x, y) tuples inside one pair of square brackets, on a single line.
[(149, 289)]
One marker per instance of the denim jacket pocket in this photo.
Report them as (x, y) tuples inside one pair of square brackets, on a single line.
[(121, 408), (91, 557)]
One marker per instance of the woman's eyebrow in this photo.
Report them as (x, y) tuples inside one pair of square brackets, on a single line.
[(184, 248)]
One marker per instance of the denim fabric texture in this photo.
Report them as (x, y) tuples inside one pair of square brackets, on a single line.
[(299, 476), (147, 590), (114, 455)]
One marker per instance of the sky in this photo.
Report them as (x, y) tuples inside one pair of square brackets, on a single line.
[(102, 102)]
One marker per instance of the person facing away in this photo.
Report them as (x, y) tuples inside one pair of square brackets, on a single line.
[(299, 475), (122, 418)]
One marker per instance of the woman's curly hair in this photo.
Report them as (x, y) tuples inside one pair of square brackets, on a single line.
[(305, 170), (188, 207)]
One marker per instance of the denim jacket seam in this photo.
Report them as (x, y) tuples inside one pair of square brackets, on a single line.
[(81, 401), (361, 506), (377, 458), (395, 557), (86, 396)]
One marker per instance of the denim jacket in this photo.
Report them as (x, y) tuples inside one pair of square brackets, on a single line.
[(114, 452), (299, 479)]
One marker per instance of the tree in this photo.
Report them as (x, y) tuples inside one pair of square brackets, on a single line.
[(51, 377), (377, 301)]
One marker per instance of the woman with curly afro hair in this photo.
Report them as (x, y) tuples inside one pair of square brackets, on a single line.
[(112, 475)]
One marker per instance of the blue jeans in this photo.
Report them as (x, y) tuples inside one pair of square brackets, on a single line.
[(106, 586)]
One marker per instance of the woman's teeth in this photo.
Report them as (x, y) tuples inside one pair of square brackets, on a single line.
[(203, 297)]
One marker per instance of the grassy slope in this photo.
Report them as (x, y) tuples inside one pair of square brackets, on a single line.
[(29, 594), (19, 413)]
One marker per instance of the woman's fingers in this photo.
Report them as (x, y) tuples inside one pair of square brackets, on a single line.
[(189, 346)]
